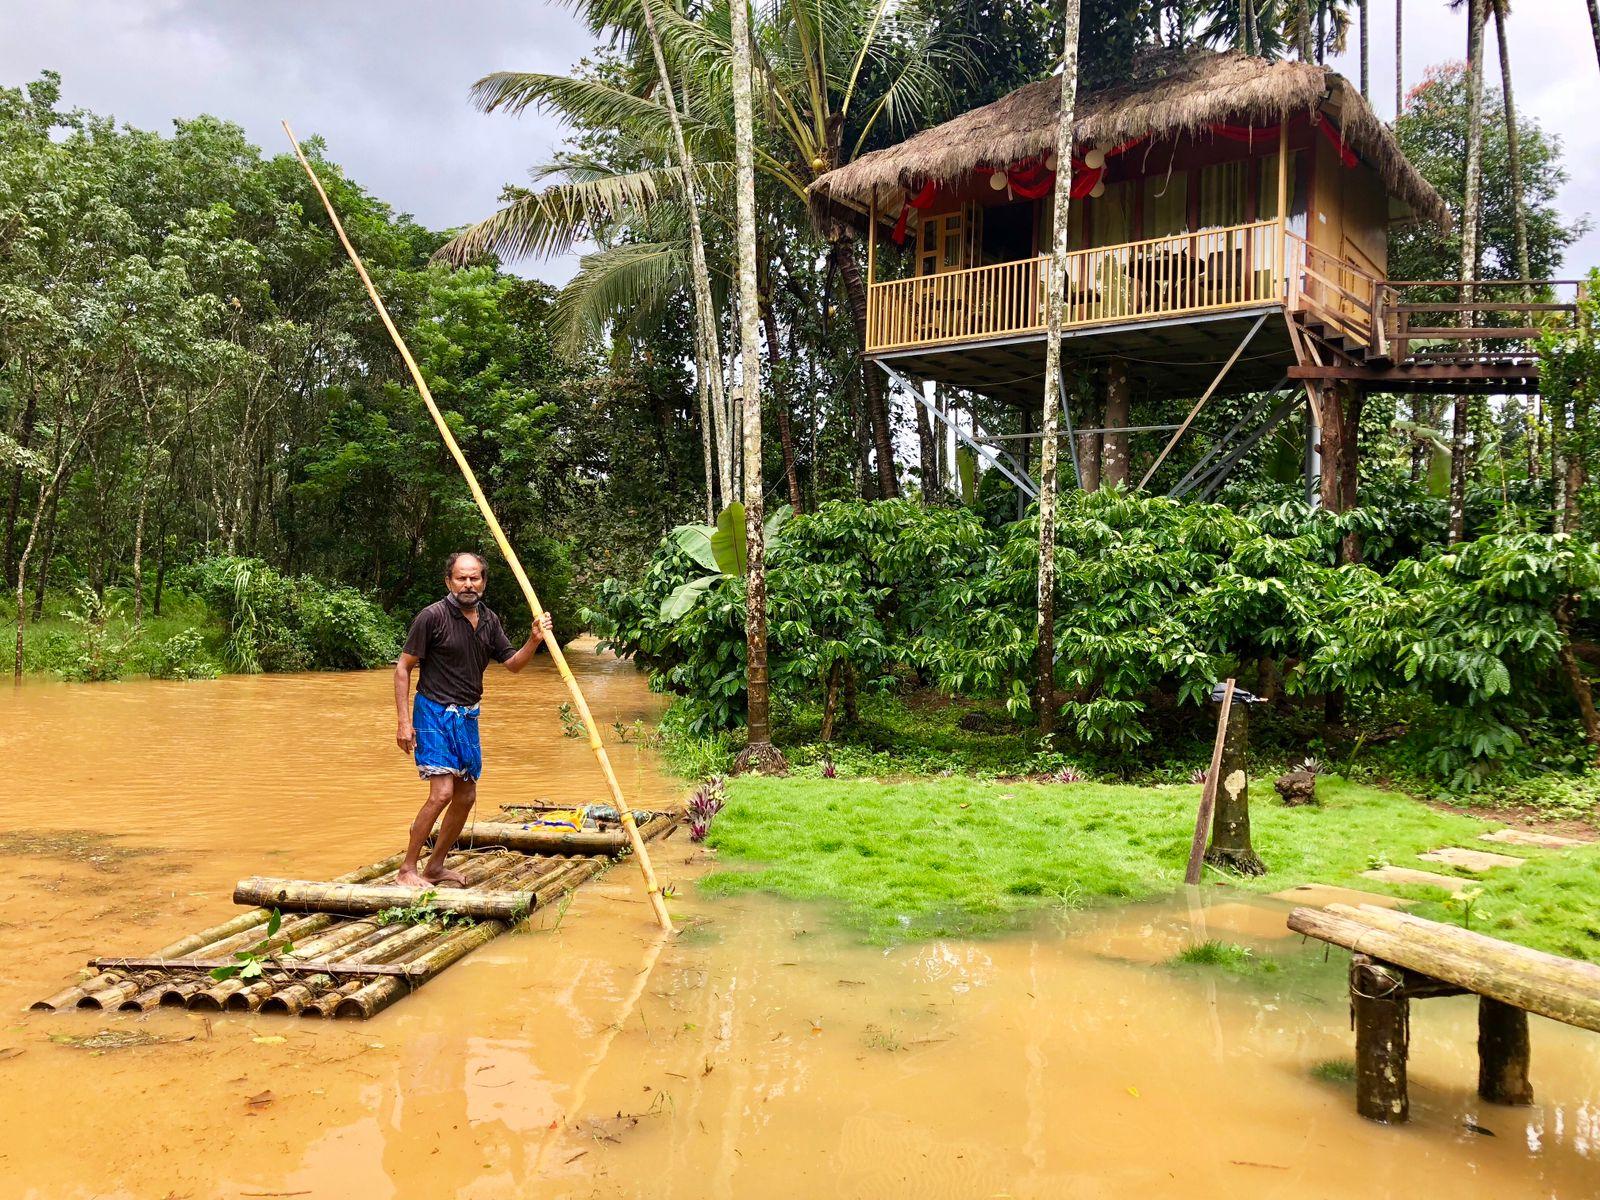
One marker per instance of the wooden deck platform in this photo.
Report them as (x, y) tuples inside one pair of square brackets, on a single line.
[(353, 966)]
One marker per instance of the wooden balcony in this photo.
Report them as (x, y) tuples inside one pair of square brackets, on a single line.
[(1187, 274)]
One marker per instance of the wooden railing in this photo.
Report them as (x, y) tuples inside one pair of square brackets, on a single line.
[(1434, 321), (958, 306), (1336, 293), (1188, 273)]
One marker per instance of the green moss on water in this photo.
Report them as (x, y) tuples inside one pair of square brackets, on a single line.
[(940, 857)]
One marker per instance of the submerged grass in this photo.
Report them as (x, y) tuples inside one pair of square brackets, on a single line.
[(1230, 956), (933, 857)]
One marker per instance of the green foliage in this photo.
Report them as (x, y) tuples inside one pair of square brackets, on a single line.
[(182, 656), (424, 910), (1229, 956), (947, 856), (1334, 1070), (249, 964), (100, 652), (1156, 600), (280, 623)]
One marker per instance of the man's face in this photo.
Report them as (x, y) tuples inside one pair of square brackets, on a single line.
[(466, 581)]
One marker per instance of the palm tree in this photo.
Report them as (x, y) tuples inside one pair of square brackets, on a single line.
[(1519, 212), (1469, 253), (1594, 25), (759, 752), (830, 73), (619, 284), (1046, 701)]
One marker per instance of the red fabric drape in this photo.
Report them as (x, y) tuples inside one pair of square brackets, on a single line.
[(1030, 179), (1250, 134)]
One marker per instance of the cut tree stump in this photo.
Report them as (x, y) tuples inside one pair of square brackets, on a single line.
[(1476, 861)]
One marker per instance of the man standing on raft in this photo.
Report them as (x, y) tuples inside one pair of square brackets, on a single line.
[(453, 639)]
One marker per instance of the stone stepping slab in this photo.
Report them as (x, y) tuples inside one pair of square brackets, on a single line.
[(1450, 883), (1525, 837), (1320, 895), (1476, 861)]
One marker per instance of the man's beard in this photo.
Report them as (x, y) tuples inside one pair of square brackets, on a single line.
[(468, 599)]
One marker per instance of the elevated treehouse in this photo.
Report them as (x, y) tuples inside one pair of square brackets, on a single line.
[(1229, 235)]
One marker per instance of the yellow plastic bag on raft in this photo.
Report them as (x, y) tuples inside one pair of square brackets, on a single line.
[(561, 819)]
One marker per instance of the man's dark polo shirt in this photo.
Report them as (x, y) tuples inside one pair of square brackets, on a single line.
[(455, 655)]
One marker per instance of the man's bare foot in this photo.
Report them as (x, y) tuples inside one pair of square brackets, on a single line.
[(411, 877), (445, 877)]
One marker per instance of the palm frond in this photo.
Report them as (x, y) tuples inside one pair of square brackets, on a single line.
[(625, 287)]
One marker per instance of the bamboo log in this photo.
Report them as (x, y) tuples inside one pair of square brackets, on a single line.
[(369, 998), (652, 888), (291, 999), (1559, 988), (357, 899), (542, 840), (207, 938)]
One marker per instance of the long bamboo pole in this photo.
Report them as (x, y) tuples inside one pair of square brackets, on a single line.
[(652, 888)]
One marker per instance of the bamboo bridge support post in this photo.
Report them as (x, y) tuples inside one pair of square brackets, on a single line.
[(640, 854), (1503, 1053), (1208, 794), (1381, 1013)]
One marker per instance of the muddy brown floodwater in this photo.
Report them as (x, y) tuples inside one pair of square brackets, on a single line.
[(759, 1054)]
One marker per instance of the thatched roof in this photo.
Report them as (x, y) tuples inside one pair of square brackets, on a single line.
[(1167, 97)]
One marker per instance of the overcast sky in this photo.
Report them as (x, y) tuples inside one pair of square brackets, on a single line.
[(385, 81)]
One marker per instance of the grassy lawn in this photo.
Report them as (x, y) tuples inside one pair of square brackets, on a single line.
[(957, 855)]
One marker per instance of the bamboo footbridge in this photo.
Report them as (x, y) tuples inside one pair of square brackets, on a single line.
[(346, 961)]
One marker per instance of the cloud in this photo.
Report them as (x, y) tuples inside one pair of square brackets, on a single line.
[(385, 83)]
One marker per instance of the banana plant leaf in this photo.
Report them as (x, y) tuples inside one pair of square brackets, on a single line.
[(967, 469), (728, 543), (684, 597), (695, 541)]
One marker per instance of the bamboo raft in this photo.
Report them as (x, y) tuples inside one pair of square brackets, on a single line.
[(345, 962)]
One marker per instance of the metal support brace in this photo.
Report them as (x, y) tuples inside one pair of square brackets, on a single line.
[(1223, 469), (1224, 450), (1066, 415), (999, 459)]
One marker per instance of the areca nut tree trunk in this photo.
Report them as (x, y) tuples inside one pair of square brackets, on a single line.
[(1519, 207), (700, 275), (1469, 254), (1045, 699), (1399, 57), (1366, 61), (759, 753)]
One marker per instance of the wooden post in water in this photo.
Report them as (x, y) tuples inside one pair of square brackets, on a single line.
[(640, 854), (1381, 1013), (1503, 1053)]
